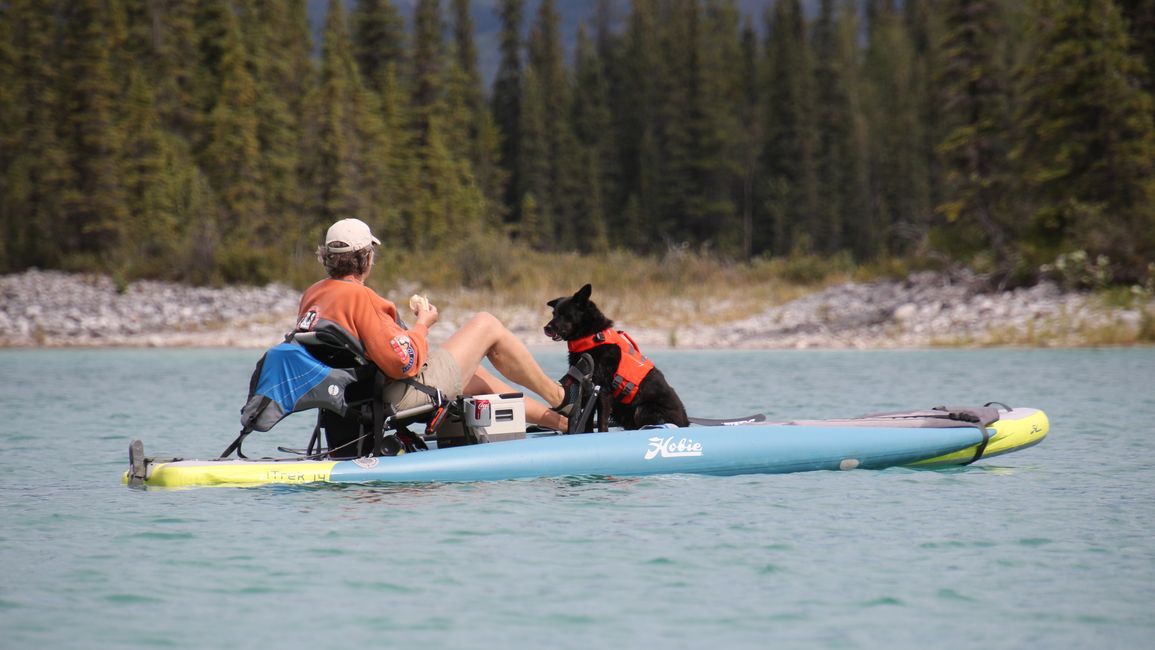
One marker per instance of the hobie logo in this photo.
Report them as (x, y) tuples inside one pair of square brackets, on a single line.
[(667, 448)]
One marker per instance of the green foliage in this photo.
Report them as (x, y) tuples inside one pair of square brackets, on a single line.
[(210, 142), (379, 41), (975, 105), (1088, 147), (788, 166)]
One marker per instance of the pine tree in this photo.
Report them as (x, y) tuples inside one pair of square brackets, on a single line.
[(635, 101), (427, 63), (378, 32), (505, 103), (9, 122), (600, 85), (232, 157), (751, 127), (1140, 16), (676, 111), (484, 140), (592, 129), (36, 168), (533, 164), (95, 210), (1089, 141), (976, 107), (166, 38), (334, 167), (857, 210), (922, 22), (715, 89), (280, 56), (553, 177), (900, 186), (833, 121), (150, 238), (790, 189)]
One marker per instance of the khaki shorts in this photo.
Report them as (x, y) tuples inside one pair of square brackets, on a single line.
[(440, 372)]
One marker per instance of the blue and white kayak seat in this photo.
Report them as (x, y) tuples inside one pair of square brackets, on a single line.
[(327, 369)]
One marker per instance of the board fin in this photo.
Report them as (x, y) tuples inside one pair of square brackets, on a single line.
[(136, 462)]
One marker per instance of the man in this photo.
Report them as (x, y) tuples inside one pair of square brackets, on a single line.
[(454, 368)]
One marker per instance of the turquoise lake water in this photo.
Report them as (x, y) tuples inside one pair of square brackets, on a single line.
[(1050, 547)]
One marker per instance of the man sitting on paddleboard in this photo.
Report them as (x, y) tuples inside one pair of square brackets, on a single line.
[(454, 368)]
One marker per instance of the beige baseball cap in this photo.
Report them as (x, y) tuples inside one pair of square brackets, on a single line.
[(349, 235)]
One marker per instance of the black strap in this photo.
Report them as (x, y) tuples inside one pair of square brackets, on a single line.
[(981, 449), (433, 393), (378, 416), (315, 440), (974, 420), (236, 445)]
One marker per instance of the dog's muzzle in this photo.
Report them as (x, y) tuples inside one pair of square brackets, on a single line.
[(551, 332)]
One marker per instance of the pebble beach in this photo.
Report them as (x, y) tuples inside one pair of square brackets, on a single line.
[(55, 309)]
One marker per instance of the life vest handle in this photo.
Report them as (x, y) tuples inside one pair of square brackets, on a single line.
[(631, 340)]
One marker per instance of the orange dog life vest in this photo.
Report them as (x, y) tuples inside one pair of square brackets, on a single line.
[(632, 368)]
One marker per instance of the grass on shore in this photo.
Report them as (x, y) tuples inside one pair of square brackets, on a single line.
[(1064, 331)]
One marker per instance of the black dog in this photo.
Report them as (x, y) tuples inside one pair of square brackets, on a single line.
[(631, 387)]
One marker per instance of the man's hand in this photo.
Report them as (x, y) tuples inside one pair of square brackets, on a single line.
[(425, 312)]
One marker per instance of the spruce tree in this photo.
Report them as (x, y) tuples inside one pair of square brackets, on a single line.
[(280, 56), (592, 128), (750, 125), (334, 165), (378, 32), (635, 100), (1089, 138), (169, 44), (1140, 17), (95, 210), (533, 164), (426, 63), (790, 182), (857, 210), (484, 141), (36, 170), (976, 107), (677, 117), (900, 187), (599, 85), (505, 103), (712, 215), (833, 121), (232, 157), (552, 179), (922, 21), (150, 239)]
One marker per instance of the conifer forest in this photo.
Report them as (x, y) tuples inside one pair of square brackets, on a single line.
[(213, 141)]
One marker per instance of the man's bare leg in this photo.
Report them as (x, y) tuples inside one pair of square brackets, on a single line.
[(486, 337)]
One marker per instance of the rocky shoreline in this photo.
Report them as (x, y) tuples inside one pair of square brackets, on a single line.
[(56, 309)]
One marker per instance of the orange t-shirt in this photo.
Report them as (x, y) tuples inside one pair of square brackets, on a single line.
[(371, 319)]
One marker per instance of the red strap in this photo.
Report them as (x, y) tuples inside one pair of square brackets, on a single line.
[(592, 341)]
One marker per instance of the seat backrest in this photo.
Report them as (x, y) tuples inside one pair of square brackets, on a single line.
[(288, 379), (330, 344)]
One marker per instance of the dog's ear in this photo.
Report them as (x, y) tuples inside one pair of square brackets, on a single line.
[(553, 303), (583, 294)]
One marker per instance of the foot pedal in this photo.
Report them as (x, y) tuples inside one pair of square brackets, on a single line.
[(137, 465)]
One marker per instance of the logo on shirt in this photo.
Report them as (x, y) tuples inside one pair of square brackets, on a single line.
[(404, 349), (306, 322)]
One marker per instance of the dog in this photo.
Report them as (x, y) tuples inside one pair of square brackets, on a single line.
[(632, 389)]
